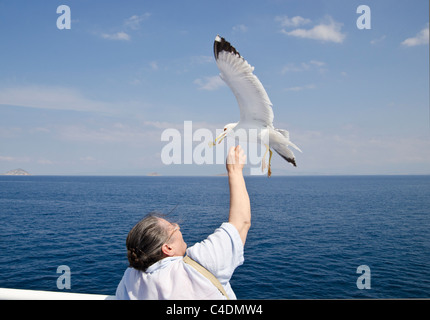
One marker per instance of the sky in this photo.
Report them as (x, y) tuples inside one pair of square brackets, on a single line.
[(94, 97)]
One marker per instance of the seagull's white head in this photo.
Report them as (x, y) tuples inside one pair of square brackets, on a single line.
[(227, 129)]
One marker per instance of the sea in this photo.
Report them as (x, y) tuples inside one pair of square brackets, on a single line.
[(312, 237)]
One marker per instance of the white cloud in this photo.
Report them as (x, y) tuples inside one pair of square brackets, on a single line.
[(7, 158), (327, 32), (107, 134), (352, 150), (378, 40), (116, 36), (292, 67), (202, 59), (292, 22), (162, 125), (421, 38), (135, 82), (317, 63), (56, 98), (240, 28), (9, 132), (45, 161), (87, 159), (15, 159), (134, 21), (300, 88), (304, 66), (153, 65), (209, 83)]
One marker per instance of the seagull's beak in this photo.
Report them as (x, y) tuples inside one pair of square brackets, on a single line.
[(220, 138)]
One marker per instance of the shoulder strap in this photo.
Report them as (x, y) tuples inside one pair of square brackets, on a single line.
[(207, 274)]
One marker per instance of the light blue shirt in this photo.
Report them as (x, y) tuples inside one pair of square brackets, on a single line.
[(172, 279)]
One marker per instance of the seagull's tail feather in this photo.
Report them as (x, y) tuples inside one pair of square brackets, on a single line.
[(285, 153), (294, 146), (286, 134)]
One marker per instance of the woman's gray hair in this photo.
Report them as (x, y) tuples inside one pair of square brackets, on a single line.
[(144, 242)]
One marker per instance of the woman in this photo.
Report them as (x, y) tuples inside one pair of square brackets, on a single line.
[(156, 249)]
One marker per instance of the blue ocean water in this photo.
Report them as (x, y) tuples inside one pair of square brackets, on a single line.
[(308, 234)]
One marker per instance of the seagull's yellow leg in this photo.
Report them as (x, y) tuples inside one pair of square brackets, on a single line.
[(269, 172), (263, 161)]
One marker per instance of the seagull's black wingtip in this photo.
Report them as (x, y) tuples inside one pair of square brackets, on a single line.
[(290, 160), (220, 44)]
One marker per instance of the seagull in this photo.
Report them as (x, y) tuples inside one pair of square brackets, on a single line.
[(254, 104)]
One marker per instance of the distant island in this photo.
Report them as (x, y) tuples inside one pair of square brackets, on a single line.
[(17, 172), (222, 174), (153, 174)]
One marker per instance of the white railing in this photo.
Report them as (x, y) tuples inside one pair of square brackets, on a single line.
[(20, 294)]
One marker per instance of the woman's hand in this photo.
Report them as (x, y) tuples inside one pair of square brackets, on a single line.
[(236, 159)]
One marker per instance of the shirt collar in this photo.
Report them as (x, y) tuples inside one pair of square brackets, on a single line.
[(162, 264)]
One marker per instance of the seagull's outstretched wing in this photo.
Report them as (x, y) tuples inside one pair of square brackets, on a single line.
[(254, 103)]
